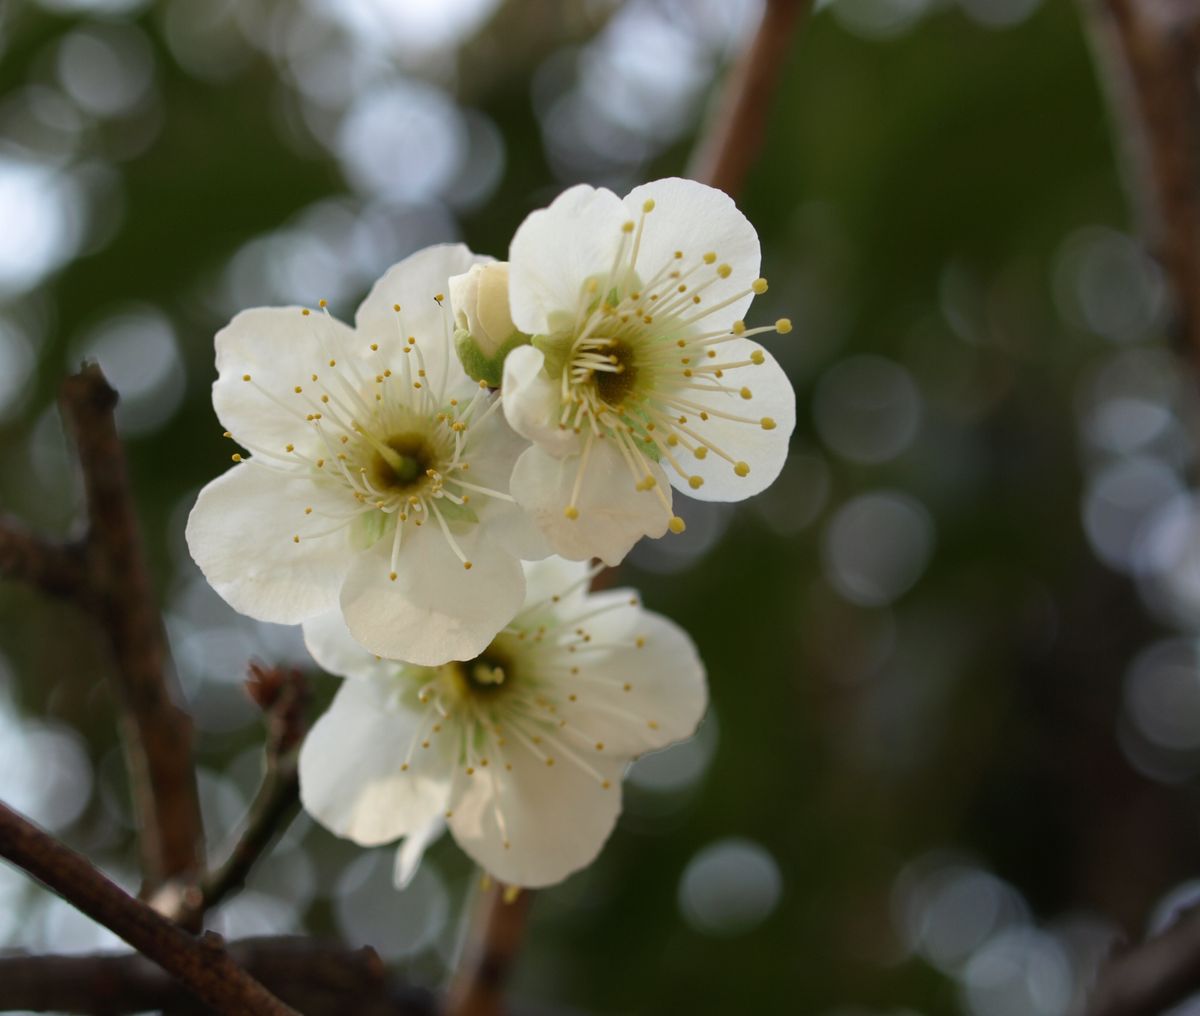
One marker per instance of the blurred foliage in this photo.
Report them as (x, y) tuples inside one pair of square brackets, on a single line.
[(915, 198)]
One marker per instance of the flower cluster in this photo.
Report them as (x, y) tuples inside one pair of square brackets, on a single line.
[(425, 493)]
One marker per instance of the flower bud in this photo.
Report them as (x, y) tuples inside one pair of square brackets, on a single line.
[(484, 331)]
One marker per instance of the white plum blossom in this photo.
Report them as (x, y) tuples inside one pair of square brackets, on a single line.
[(377, 475), (642, 374), (521, 750)]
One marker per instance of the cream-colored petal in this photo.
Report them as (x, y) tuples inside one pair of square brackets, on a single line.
[(242, 533)]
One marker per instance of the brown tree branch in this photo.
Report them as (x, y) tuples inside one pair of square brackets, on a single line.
[(1148, 52), (733, 139), (203, 964), (156, 733), (55, 569), (320, 978), (1154, 976), (490, 953)]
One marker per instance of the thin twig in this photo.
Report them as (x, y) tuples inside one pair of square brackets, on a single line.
[(1154, 976), (283, 695), (1148, 52), (490, 953), (55, 569), (156, 733), (202, 964), (732, 142)]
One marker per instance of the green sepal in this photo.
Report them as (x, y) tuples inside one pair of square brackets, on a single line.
[(480, 367), (556, 349)]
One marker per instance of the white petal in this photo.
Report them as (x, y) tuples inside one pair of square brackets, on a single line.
[(413, 284), (351, 780), (335, 651), (533, 402), (412, 850), (492, 451), (613, 514), (667, 692), (696, 219), (763, 451), (278, 348), (554, 818), (556, 577), (556, 250), (435, 610), (241, 531)]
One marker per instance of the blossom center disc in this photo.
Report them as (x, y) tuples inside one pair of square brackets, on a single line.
[(401, 462), (483, 678), (614, 386)]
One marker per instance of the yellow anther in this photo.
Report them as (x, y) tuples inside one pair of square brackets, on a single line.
[(724, 271), (549, 761), (599, 746), (297, 389), (651, 724), (676, 525), (333, 363), (627, 227), (738, 328), (695, 482), (745, 393), (295, 539), (467, 565), (700, 451), (687, 372), (511, 892), (759, 286), (767, 423), (742, 469), (679, 255), (604, 784), (245, 377), (314, 377), (226, 433), (392, 576), (783, 325), (756, 357), (648, 205), (571, 512), (710, 257), (306, 312), (324, 398), (470, 770), (374, 347), (672, 440), (626, 687), (308, 511), (236, 457), (640, 642), (322, 303), (291, 447), (320, 463), (396, 307)]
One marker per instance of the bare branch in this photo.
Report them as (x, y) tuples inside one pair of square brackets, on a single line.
[(1148, 52), (1154, 976), (732, 142), (283, 695), (157, 734), (321, 978), (203, 964), (55, 569), (490, 953)]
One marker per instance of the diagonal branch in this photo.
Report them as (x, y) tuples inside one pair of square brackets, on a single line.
[(283, 695), (324, 978), (55, 569), (1148, 52), (733, 140), (203, 964), (156, 733), (1154, 976)]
